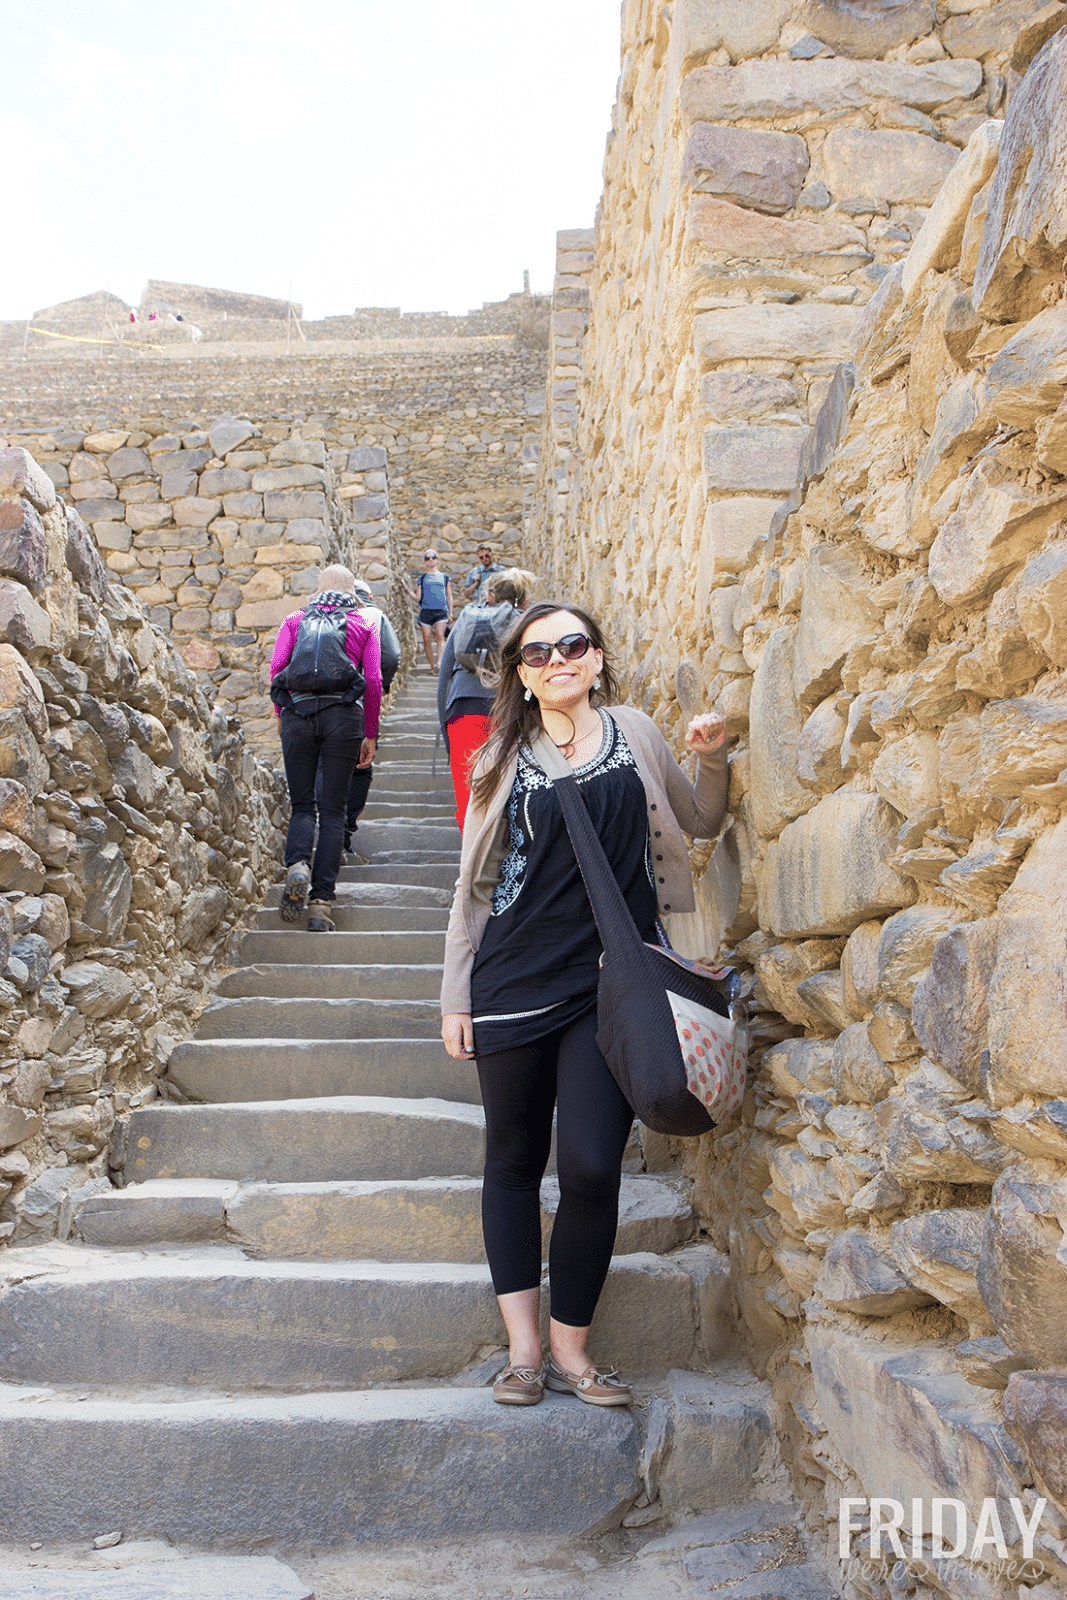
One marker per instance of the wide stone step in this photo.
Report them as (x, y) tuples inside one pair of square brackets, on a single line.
[(295, 945), (263, 1017), (239, 1071), (435, 875), (431, 858), (165, 1576), (351, 917), (210, 1316), (306, 1141), (428, 1219), (214, 1317), (408, 778), (337, 982), (376, 836), (370, 894), (380, 1465)]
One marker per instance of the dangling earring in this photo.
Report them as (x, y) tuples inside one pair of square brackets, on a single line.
[(527, 695), (596, 683)]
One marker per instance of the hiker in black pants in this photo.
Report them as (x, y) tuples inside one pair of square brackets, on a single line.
[(326, 683)]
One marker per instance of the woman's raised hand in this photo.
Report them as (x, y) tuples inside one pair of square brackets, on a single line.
[(706, 733), (457, 1030)]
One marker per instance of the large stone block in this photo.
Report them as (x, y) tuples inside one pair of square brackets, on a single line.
[(264, 613), (907, 773), (1023, 744), (800, 333), (741, 27), (752, 459), (1028, 989), (936, 1434), (939, 1252), (229, 433), (296, 476), (306, 452), (1035, 1414), (775, 721), (782, 90), (938, 242), (716, 228), (858, 1277), (906, 948), (1041, 602), (20, 475), (1027, 378), (1022, 1275), (370, 508), (867, 27), (731, 530), (834, 613), (367, 458), (23, 544), (1025, 230), (828, 872), (710, 1434), (745, 396), (285, 503), (999, 522), (987, 29), (886, 163), (764, 171), (949, 1008)]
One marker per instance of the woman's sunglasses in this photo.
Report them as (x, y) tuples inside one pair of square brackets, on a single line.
[(572, 647)]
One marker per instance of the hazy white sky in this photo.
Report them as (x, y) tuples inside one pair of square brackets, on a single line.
[(374, 152)]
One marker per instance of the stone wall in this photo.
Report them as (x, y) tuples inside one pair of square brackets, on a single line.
[(886, 647), (136, 832), (456, 416), (222, 530)]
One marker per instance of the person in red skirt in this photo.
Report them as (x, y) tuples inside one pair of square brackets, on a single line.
[(463, 700)]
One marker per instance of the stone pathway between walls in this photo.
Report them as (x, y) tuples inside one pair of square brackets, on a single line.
[(280, 1332)]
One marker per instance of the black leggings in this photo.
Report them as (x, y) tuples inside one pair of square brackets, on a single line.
[(519, 1089)]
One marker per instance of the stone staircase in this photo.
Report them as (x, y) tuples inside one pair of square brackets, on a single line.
[(282, 1326)]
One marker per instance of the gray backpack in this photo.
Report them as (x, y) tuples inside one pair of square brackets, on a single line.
[(479, 633)]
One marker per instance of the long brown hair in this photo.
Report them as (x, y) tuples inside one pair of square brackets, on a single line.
[(514, 720)]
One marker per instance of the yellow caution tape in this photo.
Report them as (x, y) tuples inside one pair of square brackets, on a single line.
[(77, 338)]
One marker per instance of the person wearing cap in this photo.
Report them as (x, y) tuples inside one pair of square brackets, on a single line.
[(478, 579)]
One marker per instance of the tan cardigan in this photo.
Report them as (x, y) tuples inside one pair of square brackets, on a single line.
[(674, 804)]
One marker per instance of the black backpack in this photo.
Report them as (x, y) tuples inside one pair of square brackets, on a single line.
[(319, 671)]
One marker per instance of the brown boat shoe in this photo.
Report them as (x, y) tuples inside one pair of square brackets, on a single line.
[(520, 1386), (597, 1386)]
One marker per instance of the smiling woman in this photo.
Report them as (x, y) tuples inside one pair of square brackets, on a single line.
[(111, 96), (522, 962)]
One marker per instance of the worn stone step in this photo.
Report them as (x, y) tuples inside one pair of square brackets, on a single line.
[(376, 836), (238, 1071), (337, 982), (292, 1017), (435, 875), (313, 1140), (164, 1577), (428, 1219), (345, 949), (380, 895), (399, 777), (355, 918), (432, 858), (380, 1465), (210, 1316)]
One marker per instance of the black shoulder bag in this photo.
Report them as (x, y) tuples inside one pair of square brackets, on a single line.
[(674, 1045)]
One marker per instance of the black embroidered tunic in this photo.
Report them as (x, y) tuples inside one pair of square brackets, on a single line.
[(537, 967)]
